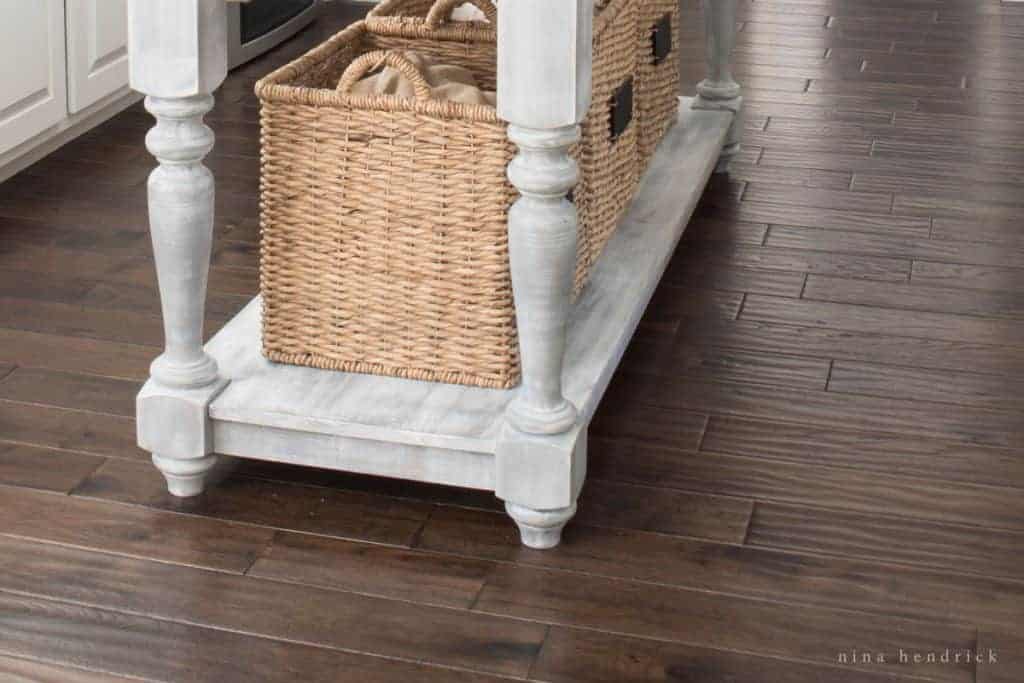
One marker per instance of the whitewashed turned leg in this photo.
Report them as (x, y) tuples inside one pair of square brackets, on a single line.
[(719, 91), (544, 65), (178, 58)]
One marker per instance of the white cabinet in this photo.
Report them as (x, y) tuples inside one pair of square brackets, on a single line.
[(97, 43), (33, 95), (63, 70)]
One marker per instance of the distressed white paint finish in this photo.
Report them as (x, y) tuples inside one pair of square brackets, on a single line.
[(449, 433), (178, 56), (178, 48), (544, 84), (528, 445), (544, 60), (720, 90), (33, 96), (97, 44)]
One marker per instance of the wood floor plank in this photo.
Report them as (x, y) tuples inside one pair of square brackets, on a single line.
[(72, 430), (693, 272), (872, 451), (578, 656), (867, 202), (753, 572), (920, 418), (802, 261), (58, 261), (928, 254), (1001, 657), (15, 670), (836, 488), (826, 219), (70, 390), (967, 153), (807, 143), (151, 649), (693, 617), (374, 570), (345, 513), (678, 428), (946, 207), (710, 230), (845, 340), (804, 177), (943, 386), (869, 319), (1003, 193), (956, 548), (128, 530), (746, 366), (77, 355), (681, 513), (72, 320), (969, 276), (670, 304), (914, 297), (998, 229), (283, 611), (39, 468), (928, 169)]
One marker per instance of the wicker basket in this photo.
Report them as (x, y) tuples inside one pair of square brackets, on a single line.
[(658, 83), (384, 242), (608, 151)]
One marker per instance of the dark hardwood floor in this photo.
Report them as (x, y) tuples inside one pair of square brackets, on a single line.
[(811, 460)]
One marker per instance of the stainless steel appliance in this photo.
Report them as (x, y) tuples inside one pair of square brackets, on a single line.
[(259, 25)]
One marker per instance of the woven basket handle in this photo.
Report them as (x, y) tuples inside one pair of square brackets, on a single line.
[(371, 60), (442, 11)]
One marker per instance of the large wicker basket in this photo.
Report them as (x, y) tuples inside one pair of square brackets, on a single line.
[(384, 242), (608, 153), (658, 82)]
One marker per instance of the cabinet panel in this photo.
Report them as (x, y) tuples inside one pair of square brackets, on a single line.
[(97, 50), (33, 97)]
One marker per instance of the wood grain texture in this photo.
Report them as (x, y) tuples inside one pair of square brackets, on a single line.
[(839, 337), (27, 671), (877, 320), (968, 425), (820, 486), (66, 390), (578, 656), (804, 261), (327, 618), (882, 452), (928, 254), (73, 430), (954, 548), (107, 640), (741, 523), (810, 634), (126, 530), (970, 276), (964, 388), (915, 297), (38, 468), (350, 514), (1007, 652)]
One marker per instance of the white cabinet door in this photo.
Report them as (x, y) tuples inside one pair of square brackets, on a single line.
[(33, 91), (97, 50)]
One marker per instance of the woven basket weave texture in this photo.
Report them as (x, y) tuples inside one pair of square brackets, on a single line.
[(384, 222)]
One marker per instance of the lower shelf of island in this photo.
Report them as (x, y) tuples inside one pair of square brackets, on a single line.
[(449, 434)]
